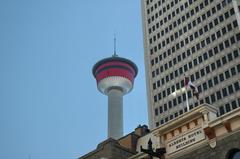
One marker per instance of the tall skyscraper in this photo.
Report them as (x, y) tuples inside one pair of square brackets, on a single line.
[(199, 39)]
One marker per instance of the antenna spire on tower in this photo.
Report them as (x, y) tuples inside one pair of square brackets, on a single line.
[(115, 53)]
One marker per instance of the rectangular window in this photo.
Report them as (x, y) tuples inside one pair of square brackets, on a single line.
[(213, 66), (227, 106), (202, 72), (219, 63), (207, 100), (219, 96), (197, 75), (213, 99), (190, 64), (216, 22), (230, 89), (221, 19), (215, 80), (227, 44), (210, 84), (233, 71), (156, 112), (236, 86), (210, 53), (232, 11), (174, 102), (227, 74), (221, 110), (224, 92), (204, 86), (165, 107), (208, 69), (179, 99), (234, 104)]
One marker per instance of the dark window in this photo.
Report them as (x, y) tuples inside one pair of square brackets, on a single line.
[(207, 100), (221, 110), (200, 59), (213, 66), (224, 30), (208, 40), (190, 64), (208, 69), (227, 74), (215, 80), (179, 99), (204, 86), (181, 112), (200, 88), (224, 92), (213, 37), (154, 85), (229, 27), (221, 47), (221, 77), (155, 98), (156, 111), (213, 99), (202, 71), (221, 18), (210, 53), (165, 107), (178, 86), (219, 96), (153, 74), (197, 75), (227, 106), (233, 71), (160, 109), (166, 119), (218, 34), (232, 11), (232, 40), (235, 24), (234, 104), (159, 96), (218, 6), (236, 86), (170, 104), (216, 50), (238, 37), (195, 62), (215, 21), (218, 63), (230, 89), (235, 53)]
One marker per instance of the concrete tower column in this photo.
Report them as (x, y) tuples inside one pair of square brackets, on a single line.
[(115, 113)]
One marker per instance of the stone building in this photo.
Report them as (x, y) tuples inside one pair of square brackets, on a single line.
[(118, 149), (198, 134)]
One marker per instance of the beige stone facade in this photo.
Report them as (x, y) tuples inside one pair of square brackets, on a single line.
[(197, 131)]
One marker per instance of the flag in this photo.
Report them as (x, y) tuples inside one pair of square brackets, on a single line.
[(192, 86)]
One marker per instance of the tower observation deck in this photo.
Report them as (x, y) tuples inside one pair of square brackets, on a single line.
[(115, 78)]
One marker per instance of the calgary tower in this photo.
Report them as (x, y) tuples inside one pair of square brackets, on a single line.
[(115, 77)]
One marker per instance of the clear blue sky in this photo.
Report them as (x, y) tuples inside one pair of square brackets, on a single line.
[(49, 104)]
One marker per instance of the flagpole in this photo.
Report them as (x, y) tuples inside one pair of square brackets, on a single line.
[(186, 81), (187, 100)]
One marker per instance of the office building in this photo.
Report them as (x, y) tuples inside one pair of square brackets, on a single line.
[(199, 39)]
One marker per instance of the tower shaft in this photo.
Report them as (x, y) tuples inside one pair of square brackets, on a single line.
[(115, 113)]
